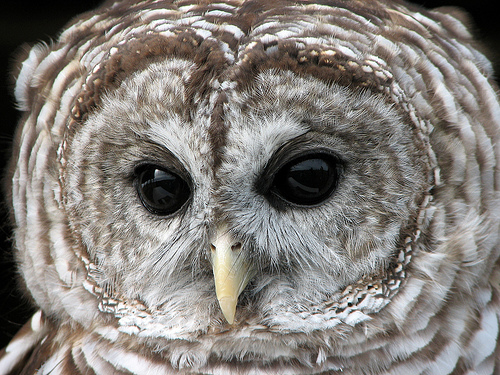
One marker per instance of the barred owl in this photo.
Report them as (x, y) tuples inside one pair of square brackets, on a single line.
[(257, 187)]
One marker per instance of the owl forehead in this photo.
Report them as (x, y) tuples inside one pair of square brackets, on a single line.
[(278, 108), (229, 45)]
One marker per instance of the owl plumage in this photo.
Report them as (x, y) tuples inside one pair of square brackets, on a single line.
[(255, 187)]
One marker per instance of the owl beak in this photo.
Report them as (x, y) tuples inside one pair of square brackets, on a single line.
[(231, 271)]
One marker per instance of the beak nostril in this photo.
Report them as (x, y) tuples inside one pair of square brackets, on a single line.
[(212, 247), (236, 247)]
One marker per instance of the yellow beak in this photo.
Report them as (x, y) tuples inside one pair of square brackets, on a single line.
[(231, 271)]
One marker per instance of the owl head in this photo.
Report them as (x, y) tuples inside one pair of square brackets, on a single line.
[(254, 181)]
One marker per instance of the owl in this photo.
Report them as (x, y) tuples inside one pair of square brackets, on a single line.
[(257, 187)]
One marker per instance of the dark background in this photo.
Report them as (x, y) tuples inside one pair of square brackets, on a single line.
[(29, 22)]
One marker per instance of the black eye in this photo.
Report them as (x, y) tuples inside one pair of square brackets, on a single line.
[(162, 192), (307, 180)]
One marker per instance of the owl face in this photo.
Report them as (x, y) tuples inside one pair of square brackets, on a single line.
[(294, 171), (294, 190)]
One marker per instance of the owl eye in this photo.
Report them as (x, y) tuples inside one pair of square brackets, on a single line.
[(162, 192), (307, 180)]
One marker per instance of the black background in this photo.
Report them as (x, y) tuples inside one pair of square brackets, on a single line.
[(26, 22)]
